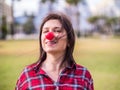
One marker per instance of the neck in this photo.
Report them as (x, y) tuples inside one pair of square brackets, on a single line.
[(53, 62)]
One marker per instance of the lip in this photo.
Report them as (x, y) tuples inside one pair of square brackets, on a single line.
[(50, 43)]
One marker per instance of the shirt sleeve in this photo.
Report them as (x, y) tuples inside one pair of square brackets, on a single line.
[(89, 81), (22, 81)]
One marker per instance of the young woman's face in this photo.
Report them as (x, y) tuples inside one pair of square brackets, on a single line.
[(59, 42)]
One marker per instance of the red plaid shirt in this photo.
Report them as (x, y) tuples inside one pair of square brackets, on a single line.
[(71, 78)]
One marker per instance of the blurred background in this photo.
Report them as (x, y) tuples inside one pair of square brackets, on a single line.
[(97, 28)]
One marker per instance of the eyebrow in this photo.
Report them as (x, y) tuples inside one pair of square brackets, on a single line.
[(53, 27)]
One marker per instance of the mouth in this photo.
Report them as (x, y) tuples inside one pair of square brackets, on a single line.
[(51, 43)]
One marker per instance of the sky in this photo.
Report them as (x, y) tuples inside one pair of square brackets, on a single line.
[(31, 6)]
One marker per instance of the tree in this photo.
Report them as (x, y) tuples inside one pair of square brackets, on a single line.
[(77, 13), (105, 27), (4, 28), (111, 22), (98, 22), (93, 19), (50, 4), (12, 25), (75, 2), (28, 27)]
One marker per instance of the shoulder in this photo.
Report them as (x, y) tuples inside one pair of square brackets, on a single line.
[(81, 70), (84, 74), (27, 72), (28, 69)]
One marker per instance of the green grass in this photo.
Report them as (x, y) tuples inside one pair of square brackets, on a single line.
[(100, 56)]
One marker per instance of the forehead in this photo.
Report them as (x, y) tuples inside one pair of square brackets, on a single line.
[(52, 23)]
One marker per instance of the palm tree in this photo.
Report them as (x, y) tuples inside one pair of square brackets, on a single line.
[(99, 23), (77, 14), (13, 22), (111, 23), (50, 4), (28, 27), (94, 21)]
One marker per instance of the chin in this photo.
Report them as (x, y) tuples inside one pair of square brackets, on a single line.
[(50, 51)]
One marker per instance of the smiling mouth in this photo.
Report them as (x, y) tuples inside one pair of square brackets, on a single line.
[(52, 42)]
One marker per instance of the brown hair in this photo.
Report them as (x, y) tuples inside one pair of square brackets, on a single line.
[(66, 24)]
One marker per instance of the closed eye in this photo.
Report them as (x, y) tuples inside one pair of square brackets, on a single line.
[(45, 31), (57, 31)]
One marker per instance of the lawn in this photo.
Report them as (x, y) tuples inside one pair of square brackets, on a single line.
[(100, 56)]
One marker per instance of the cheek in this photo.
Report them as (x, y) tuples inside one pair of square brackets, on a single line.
[(64, 43), (42, 39)]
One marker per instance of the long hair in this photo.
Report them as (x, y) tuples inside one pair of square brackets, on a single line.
[(66, 24)]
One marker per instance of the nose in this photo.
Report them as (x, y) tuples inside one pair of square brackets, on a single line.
[(50, 35)]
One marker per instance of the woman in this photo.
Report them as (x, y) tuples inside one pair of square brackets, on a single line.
[(56, 68)]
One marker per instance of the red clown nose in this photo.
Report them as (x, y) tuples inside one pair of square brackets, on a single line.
[(49, 36)]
